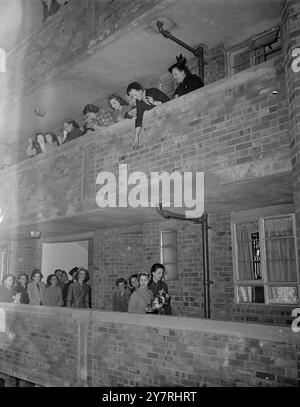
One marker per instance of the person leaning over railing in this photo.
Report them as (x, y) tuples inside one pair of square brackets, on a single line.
[(51, 141), (121, 109), (36, 146), (187, 82), (70, 131), (94, 119), (146, 99)]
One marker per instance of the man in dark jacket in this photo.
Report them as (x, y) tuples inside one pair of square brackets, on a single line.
[(146, 99)]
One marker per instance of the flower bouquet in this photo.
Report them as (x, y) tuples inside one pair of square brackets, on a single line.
[(159, 303)]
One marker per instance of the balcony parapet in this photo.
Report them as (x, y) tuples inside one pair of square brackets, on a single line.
[(66, 347)]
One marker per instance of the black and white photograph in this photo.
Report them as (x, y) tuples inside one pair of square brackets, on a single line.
[(149, 198)]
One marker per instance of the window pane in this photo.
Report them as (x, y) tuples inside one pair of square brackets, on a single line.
[(283, 295), (251, 294), (241, 61), (280, 249), (169, 255), (279, 227), (248, 251), (171, 272), (169, 238)]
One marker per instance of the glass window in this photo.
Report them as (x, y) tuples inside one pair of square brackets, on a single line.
[(168, 248), (266, 261)]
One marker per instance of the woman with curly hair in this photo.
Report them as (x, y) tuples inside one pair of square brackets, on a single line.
[(51, 141), (121, 108), (36, 288), (79, 293), (159, 288), (53, 294), (36, 146)]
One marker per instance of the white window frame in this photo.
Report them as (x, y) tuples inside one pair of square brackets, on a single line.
[(264, 281)]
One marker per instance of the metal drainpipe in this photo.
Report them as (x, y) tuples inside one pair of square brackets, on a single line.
[(206, 276), (205, 252), (198, 52)]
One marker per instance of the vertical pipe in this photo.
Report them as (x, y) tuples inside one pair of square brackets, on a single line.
[(206, 276), (201, 63)]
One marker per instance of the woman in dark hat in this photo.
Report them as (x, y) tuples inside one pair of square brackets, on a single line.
[(187, 82), (65, 290)]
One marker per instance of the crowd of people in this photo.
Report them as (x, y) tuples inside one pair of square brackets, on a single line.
[(60, 290), (137, 101), (144, 293)]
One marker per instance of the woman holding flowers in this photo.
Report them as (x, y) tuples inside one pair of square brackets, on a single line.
[(161, 298)]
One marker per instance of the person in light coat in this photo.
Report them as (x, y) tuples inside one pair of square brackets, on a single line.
[(36, 288)]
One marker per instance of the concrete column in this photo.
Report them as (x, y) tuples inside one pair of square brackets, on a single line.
[(290, 20)]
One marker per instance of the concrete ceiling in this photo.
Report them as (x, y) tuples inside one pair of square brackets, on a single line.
[(136, 55), (18, 18)]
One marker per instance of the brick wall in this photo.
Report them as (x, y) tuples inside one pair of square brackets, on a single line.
[(117, 253), (291, 40), (63, 347), (24, 256), (59, 43)]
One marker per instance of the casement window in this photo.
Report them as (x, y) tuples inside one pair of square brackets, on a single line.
[(168, 253), (265, 260), (254, 51)]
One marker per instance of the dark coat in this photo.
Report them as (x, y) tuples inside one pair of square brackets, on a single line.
[(190, 83), (24, 293), (74, 133), (79, 296), (120, 302), (141, 106)]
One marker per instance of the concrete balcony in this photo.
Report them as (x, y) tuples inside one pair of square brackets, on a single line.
[(65, 347), (234, 130)]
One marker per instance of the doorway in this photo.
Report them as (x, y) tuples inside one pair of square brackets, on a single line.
[(65, 256)]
